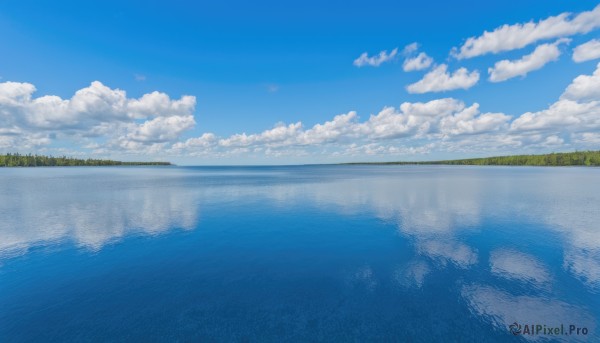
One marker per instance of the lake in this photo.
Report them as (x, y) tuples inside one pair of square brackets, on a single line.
[(300, 254)]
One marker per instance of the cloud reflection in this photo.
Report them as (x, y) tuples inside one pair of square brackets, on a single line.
[(413, 274), (514, 265), (459, 254), (436, 206), (100, 216), (585, 266), (364, 277), (501, 309)]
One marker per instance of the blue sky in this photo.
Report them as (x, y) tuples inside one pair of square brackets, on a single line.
[(263, 82)]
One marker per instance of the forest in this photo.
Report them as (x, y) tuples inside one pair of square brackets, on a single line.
[(29, 160), (577, 158)]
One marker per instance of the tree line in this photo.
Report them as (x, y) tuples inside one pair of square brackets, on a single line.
[(29, 160), (577, 158)]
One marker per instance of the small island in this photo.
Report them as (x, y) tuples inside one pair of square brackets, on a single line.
[(29, 160), (577, 158)]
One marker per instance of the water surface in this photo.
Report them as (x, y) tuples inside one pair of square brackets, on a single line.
[(307, 253)]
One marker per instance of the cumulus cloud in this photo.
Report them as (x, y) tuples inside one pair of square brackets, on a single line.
[(445, 124), (414, 61), (587, 51), (584, 87), (105, 120), (96, 110), (375, 61), (293, 134), (577, 109), (470, 121), (89, 106), (544, 53), (331, 131), (157, 104), (516, 36), (439, 80), (279, 135), (426, 120), (562, 113), (162, 129), (411, 119), (204, 141), (586, 138), (419, 62)]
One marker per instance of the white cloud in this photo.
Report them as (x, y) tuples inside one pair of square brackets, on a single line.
[(293, 134), (584, 87), (96, 101), (14, 93), (577, 109), (591, 138), (375, 61), (469, 121), (331, 131), (445, 124), (279, 135), (433, 108), (428, 120), (157, 104), (104, 120), (92, 111), (205, 141), (439, 80), (379, 148), (419, 62), (415, 61), (544, 53), (412, 119), (162, 129), (587, 51), (553, 140), (510, 37), (88, 107), (561, 114), (410, 48)]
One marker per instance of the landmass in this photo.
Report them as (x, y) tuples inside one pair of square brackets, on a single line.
[(18, 160), (577, 158)]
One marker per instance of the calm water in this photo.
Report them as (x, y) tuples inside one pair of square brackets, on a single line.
[(319, 253)]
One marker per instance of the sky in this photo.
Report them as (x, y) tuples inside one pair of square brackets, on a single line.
[(268, 82)]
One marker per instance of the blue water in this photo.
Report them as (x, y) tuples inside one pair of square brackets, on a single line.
[(309, 254)]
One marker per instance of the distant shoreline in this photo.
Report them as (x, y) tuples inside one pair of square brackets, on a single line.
[(577, 158), (17, 160)]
